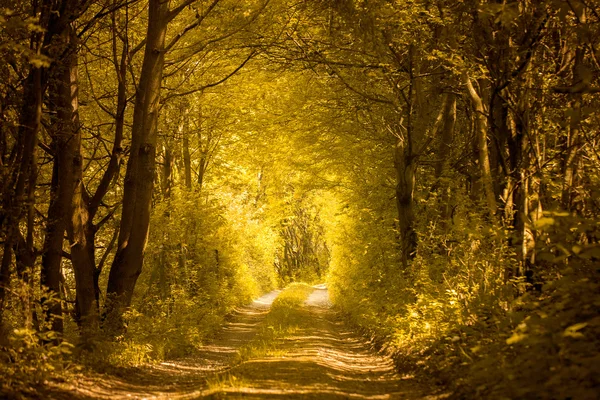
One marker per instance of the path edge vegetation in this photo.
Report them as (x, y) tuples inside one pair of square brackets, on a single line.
[(539, 348)]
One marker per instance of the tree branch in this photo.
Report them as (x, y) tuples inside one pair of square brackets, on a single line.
[(201, 88), (192, 25)]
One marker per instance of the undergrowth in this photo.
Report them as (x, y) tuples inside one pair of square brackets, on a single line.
[(205, 260), (452, 315)]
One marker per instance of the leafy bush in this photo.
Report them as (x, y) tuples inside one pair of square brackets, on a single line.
[(31, 357), (454, 316), (203, 261)]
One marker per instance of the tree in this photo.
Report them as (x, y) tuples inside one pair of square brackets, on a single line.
[(139, 178)]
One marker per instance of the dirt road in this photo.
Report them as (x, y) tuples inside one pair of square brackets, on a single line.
[(323, 359)]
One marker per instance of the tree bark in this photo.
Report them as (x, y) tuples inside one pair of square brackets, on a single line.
[(22, 178), (135, 217), (446, 134), (572, 143), (519, 164), (82, 230), (482, 146), (202, 166), (64, 132), (444, 148), (184, 134), (167, 172), (405, 166), (5, 277)]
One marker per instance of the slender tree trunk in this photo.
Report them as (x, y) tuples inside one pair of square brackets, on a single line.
[(167, 172), (82, 230), (482, 146), (25, 257), (446, 134), (202, 170), (498, 122), (444, 149), (60, 195), (572, 143), (520, 186), (20, 179), (405, 186), (184, 134), (187, 163), (64, 132), (137, 198), (405, 165), (55, 18), (5, 277)]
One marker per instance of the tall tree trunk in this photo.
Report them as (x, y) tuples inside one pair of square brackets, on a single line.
[(167, 172), (482, 146), (82, 230), (572, 143), (22, 176), (498, 123), (202, 170), (55, 18), (519, 164), (445, 146), (405, 166), (409, 147), (446, 134), (64, 132), (187, 162), (20, 181), (5, 276), (184, 134), (135, 217)]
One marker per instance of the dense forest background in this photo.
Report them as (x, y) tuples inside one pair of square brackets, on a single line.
[(435, 161)]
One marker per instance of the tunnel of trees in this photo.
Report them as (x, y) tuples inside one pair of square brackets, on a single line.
[(436, 162)]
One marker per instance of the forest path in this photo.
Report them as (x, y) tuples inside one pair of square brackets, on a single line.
[(180, 378), (322, 359)]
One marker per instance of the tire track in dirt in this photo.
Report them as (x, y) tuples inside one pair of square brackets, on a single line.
[(323, 359)]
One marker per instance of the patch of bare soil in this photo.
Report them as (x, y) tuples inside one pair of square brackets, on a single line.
[(323, 359)]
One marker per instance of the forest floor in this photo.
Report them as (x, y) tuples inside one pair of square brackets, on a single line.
[(321, 359)]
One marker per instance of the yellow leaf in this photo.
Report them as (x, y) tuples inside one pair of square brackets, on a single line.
[(544, 222), (516, 338), (572, 331)]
